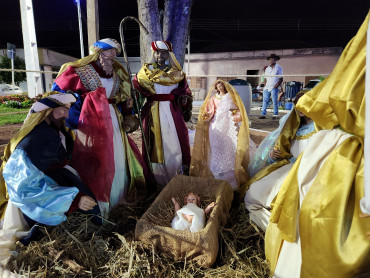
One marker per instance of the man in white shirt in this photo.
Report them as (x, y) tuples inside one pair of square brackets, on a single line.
[(272, 85)]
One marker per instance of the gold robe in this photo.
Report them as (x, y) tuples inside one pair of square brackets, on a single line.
[(333, 236)]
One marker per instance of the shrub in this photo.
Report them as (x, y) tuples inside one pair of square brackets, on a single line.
[(13, 104), (17, 101)]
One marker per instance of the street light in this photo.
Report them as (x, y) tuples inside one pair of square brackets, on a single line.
[(11, 55), (80, 27)]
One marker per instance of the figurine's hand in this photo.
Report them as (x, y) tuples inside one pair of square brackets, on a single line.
[(184, 100), (212, 205), (174, 201), (205, 116), (275, 154), (237, 117), (188, 218), (130, 103), (86, 203)]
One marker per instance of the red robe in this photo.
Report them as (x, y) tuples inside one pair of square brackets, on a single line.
[(93, 155)]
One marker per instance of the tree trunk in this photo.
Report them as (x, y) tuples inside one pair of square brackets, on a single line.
[(175, 26), (149, 15)]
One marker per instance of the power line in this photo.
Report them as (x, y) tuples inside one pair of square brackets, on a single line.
[(209, 24)]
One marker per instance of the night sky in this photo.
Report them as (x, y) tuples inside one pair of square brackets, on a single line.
[(229, 25)]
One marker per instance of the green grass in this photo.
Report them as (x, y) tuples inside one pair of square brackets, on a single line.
[(12, 115)]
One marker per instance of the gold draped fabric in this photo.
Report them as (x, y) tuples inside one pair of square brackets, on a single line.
[(333, 237), (81, 62), (137, 187), (125, 84), (199, 162), (283, 144), (147, 78)]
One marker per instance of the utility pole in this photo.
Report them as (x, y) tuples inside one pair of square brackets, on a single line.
[(30, 48), (11, 54), (92, 21), (78, 3)]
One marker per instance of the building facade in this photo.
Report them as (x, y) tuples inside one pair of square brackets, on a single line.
[(205, 68), (49, 60)]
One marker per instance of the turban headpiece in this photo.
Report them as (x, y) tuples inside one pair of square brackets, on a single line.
[(52, 101), (161, 45), (165, 45), (105, 44)]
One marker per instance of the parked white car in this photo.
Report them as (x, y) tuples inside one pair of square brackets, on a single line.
[(7, 89)]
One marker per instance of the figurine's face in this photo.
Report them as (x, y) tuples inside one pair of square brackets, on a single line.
[(106, 59), (61, 112), (161, 56), (221, 87), (109, 54), (58, 115), (192, 199)]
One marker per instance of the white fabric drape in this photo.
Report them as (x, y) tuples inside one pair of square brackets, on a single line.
[(223, 139), (14, 228), (321, 145), (261, 193), (365, 201), (180, 223), (171, 145), (120, 180)]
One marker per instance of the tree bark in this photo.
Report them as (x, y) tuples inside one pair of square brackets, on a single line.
[(175, 26), (149, 15)]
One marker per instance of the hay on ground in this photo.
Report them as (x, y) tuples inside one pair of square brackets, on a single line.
[(78, 248)]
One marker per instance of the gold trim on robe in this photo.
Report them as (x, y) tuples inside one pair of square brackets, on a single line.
[(146, 78)]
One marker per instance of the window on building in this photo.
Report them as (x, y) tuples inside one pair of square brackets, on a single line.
[(197, 82), (253, 80), (54, 75)]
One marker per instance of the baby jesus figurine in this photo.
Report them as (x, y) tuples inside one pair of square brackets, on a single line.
[(190, 216)]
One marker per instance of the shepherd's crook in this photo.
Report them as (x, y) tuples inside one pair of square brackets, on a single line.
[(133, 93)]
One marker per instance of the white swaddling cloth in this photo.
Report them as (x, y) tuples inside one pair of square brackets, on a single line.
[(180, 223)]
